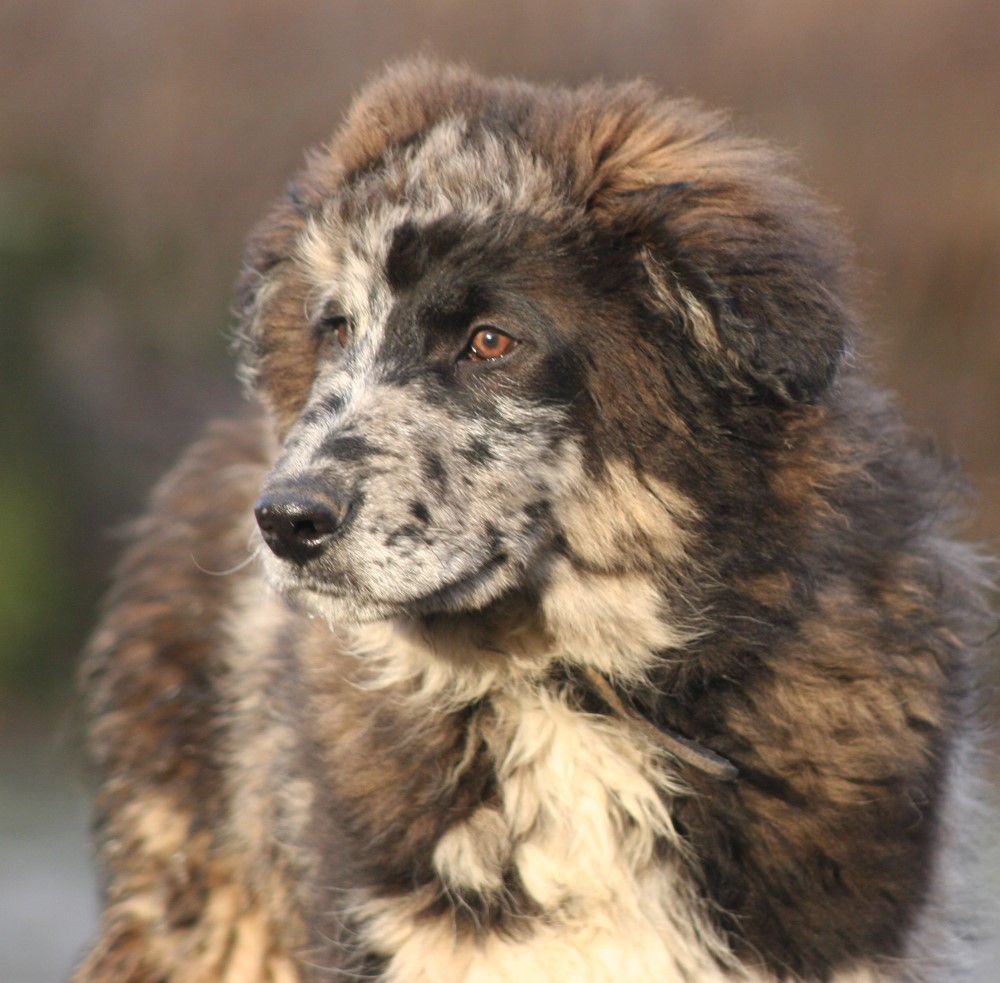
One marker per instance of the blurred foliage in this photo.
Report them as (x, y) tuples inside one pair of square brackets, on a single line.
[(140, 141), (40, 248)]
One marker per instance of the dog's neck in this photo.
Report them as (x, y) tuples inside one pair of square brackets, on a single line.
[(510, 641)]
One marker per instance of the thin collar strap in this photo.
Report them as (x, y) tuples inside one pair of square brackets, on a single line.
[(683, 748)]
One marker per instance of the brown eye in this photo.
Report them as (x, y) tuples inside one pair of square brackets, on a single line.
[(337, 325), (489, 343)]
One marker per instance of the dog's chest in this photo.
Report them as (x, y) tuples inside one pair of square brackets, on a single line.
[(581, 819)]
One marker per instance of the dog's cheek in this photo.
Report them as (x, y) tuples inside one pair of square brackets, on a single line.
[(276, 348), (286, 355)]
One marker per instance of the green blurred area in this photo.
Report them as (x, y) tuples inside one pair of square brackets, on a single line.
[(40, 250), (138, 143)]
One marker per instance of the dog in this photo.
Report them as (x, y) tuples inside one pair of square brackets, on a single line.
[(576, 607)]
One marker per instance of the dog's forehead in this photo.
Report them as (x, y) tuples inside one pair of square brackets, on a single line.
[(459, 173), (469, 166)]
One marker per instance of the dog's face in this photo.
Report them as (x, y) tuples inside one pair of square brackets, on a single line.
[(490, 323), (421, 474)]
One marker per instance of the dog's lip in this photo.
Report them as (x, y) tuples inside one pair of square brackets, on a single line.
[(444, 598), (449, 595)]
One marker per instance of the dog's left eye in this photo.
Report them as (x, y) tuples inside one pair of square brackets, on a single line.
[(488, 342)]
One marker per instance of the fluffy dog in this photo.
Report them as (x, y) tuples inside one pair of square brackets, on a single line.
[(599, 623)]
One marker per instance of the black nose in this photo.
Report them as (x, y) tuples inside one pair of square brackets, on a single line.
[(297, 523)]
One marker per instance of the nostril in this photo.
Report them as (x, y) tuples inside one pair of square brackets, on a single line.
[(297, 526), (307, 528)]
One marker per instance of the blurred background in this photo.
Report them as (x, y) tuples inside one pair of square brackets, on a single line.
[(138, 143)]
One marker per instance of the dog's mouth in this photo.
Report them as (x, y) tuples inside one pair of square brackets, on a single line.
[(463, 592), (340, 596)]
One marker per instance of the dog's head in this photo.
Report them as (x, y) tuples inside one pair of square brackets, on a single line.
[(508, 335)]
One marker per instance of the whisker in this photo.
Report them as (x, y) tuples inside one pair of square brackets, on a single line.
[(222, 573)]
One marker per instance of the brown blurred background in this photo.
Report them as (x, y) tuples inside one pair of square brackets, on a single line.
[(139, 141)]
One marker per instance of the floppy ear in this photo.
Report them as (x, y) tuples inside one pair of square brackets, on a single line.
[(735, 247), (760, 285)]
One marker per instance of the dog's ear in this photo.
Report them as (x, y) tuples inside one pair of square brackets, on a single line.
[(733, 247), (759, 284)]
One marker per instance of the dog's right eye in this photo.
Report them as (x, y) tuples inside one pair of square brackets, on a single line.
[(337, 326)]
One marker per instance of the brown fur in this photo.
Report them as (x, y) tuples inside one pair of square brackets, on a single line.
[(691, 489)]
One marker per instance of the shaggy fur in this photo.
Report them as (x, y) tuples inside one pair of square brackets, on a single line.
[(599, 623)]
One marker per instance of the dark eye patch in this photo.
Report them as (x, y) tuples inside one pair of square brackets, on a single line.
[(416, 249), (407, 258)]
